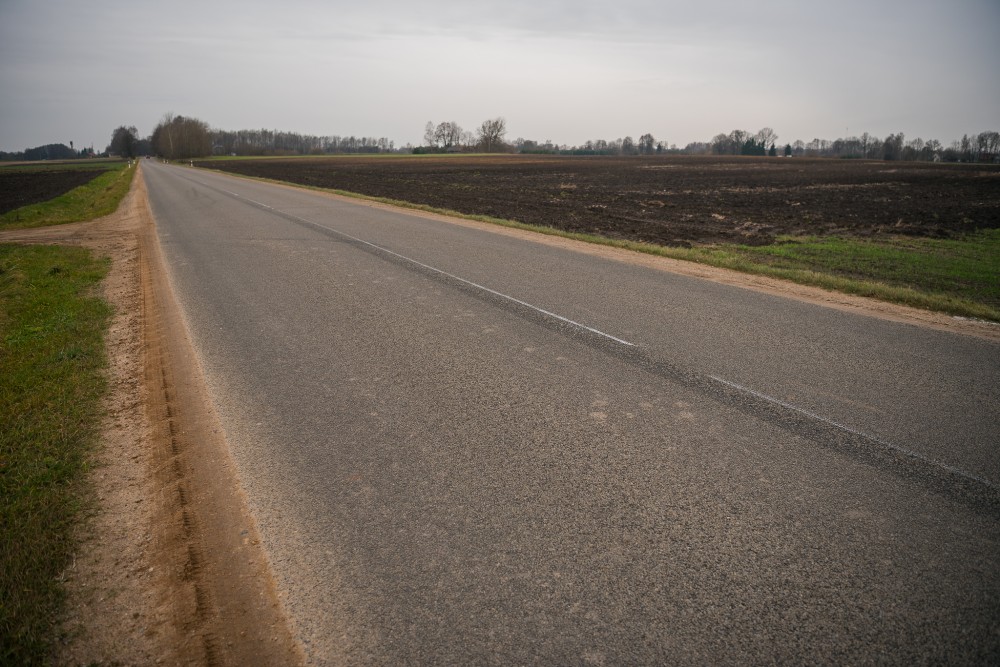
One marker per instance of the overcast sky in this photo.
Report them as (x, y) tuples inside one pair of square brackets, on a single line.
[(563, 70)]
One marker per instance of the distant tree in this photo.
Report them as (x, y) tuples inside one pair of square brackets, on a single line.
[(628, 146), (429, 136), (913, 149), (874, 149), (180, 138), (817, 147), (892, 147), (968, 148), (447, 134), (698, 148), (866, 142), (988, 145), (752, 146), (773, 152), (491, 134), (932, 150), (123, 141), (721, 144), (766, 136), (647, 144), (522, 145), (848, 148), (788, 150), (737, 140), (46, 152)]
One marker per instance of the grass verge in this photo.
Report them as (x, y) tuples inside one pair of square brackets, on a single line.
[(953, 276), (956, 276), (95, 199), (52, 380)]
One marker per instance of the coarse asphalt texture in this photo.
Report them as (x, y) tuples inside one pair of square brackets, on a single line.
[(467, 448)]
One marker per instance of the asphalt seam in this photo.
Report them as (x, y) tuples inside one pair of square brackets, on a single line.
[(902, 450)]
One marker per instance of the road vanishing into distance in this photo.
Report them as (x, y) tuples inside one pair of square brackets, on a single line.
[(467, 447)]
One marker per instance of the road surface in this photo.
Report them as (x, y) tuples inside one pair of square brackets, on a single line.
[(464, 447)]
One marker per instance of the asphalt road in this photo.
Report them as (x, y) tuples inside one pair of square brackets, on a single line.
[(467, 448)]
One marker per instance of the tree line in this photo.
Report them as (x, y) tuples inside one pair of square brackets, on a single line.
[(647, 144), (448, 137), (977, 147), (179, 137), (48, 152), (981, 147), (273, 142)]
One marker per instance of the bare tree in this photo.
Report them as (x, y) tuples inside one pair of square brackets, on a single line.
[(448, 134), (913, 149), (892, 147), (647, 144), (988, 145), (491, 134), (166, 122), (766, 137), (722, 144), (737, 139), (968, 148), (866, 142), (429, 137)]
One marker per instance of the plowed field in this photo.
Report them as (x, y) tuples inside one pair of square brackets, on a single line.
[(21, 188), (678, 201)]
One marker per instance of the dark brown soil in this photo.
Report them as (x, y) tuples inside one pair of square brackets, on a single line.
[(21, 188), (678, 200)]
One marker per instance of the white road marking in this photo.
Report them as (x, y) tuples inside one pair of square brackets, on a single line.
[(732, 385), (848, 429), (439, 271)]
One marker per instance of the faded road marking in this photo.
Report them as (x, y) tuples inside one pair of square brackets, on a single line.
[(436, 270), (848, 429)]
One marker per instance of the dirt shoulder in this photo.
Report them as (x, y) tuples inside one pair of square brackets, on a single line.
[(170, 568)]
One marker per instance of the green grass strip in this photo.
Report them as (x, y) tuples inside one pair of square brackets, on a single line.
[(959, 276), (95, 199), (52, 380)]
